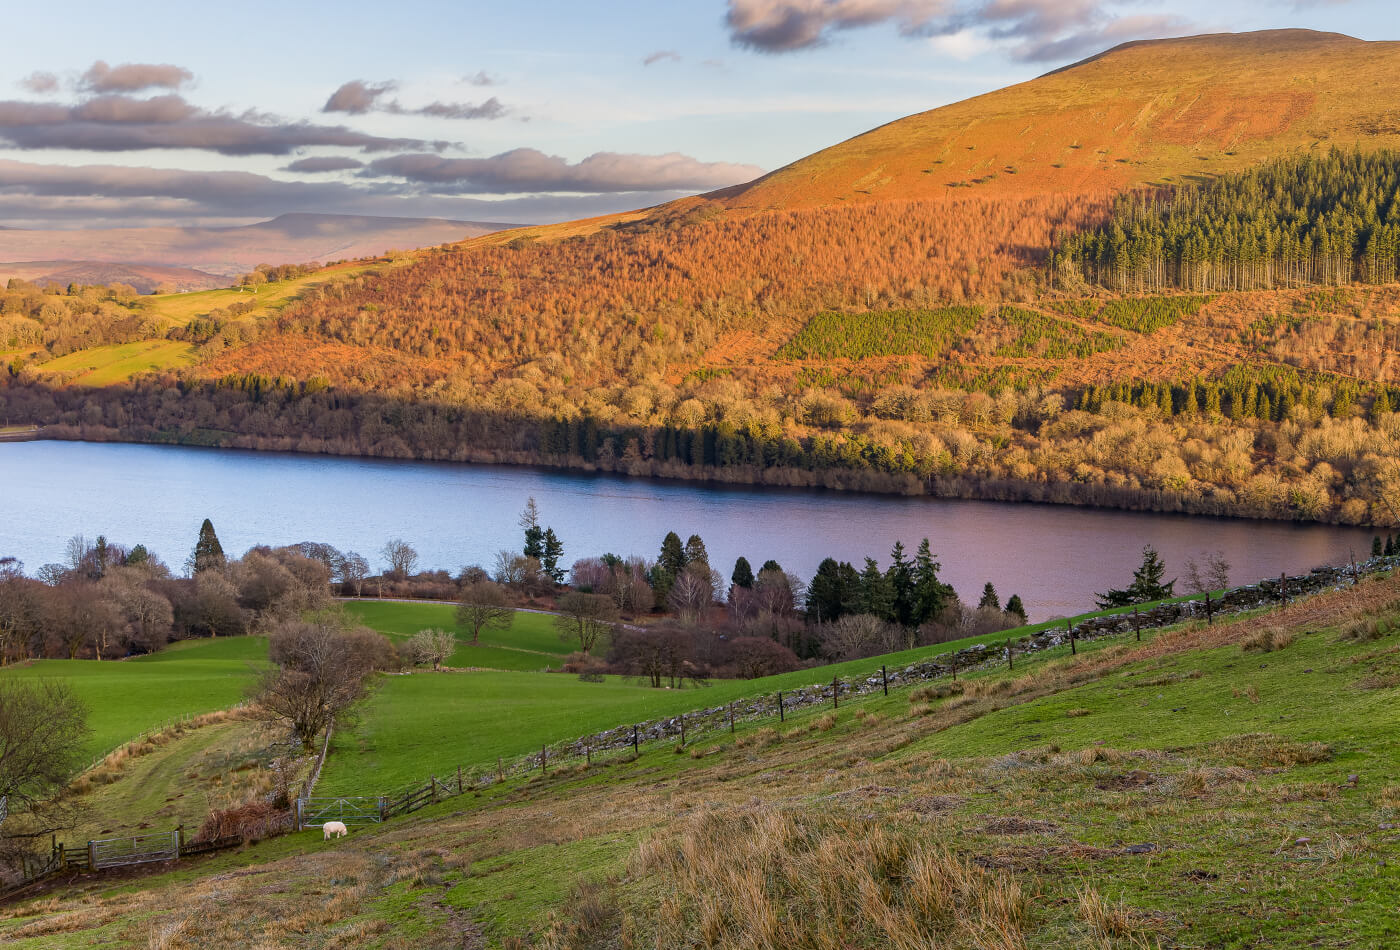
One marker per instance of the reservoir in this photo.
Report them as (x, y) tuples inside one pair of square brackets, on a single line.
[(1055, 557)]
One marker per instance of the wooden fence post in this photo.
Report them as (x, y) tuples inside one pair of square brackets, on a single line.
[(544, 759), (459, 780), (953, 664), (1137, 625), (500, 774), (588, 753), (731, 719), (179, 841), (1009, 665), (885, 680), (1210, 611), (781, 717), (92, 855), (1070, 627), (635, 753), (835, 693), (1283, 588), (432, 786), (682, 728)]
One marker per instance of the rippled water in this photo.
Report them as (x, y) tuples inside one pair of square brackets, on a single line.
[(1054, 557)]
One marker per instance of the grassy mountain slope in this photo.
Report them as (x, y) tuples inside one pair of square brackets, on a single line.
[(1226, 786), (1150, 111)]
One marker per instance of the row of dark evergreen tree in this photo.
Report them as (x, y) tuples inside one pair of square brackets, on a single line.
[(1315, 219)]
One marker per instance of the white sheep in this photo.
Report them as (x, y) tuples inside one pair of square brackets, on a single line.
[(336, 828)]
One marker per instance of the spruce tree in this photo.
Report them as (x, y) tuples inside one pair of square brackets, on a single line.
[(834, 588), (551, 549), (1147, 584), (929, 593), (902, 585), (876, 592), (672, 557), (208, 552), (1377, 546), (770, 565), (534, 542), (1014, 606), (695, 552), (989, 597), (743, 573)]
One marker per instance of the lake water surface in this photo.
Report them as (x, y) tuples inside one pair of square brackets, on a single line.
[(1054, 557)]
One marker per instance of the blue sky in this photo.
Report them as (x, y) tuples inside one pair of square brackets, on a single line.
[(525, 111)]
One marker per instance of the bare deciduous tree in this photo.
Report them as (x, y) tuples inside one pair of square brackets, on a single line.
[(1212, 572), (353, 571), (484, 607), (587, 618), (401, 556), (857, 635), (321, 674)]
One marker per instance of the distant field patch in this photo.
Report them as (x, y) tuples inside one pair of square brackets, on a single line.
[(858, 336), (182, 308), (1150, 314), (531, 643), (106, 365)]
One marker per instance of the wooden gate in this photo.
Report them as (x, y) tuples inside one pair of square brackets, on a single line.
[(363, 809), (140, 849)]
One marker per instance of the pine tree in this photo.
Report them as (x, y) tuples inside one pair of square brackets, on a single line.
[(876, 592), (901, 578), (551, 549), (770, 565), (989, 597), (208, 552), (929, 594), (137, 555), (672, 557), (695, 552), (743, 573), (534, 542), (1014, 606), (834, 588), (1147, 583)]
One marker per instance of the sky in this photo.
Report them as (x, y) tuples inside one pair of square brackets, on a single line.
[(180, 113)]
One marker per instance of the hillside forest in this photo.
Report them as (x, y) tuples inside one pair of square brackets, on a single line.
[(947, 347)]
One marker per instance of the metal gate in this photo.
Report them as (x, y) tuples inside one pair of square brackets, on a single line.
[(141, 849), (314, 812)]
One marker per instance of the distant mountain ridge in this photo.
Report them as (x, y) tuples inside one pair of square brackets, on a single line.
[(145, 278), (288, 239)]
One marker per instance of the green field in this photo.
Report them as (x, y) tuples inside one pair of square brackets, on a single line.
[(531, 643), (105, 365), (127, 697), (180, 309)]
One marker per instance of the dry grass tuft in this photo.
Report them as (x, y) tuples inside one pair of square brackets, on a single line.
[(1267, 641), (1112, 921), (924, 694), (775, 878), (1264, 750)]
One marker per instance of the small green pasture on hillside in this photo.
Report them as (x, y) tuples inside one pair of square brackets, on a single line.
[(105, 365), (127, 697), (531, 643)]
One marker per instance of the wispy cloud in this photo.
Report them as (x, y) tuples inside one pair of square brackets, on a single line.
[(661, 56), (357, 97), (1030, 30), (529, 170)]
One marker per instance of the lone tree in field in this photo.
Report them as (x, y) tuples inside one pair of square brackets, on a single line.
[(42, 727), (1146, 586), (484, 607), (322, 672), (587, 618), (208, 552), (432, 646), (401, 557)]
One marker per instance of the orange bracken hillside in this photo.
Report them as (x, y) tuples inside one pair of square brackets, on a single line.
[(1143, 112)]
